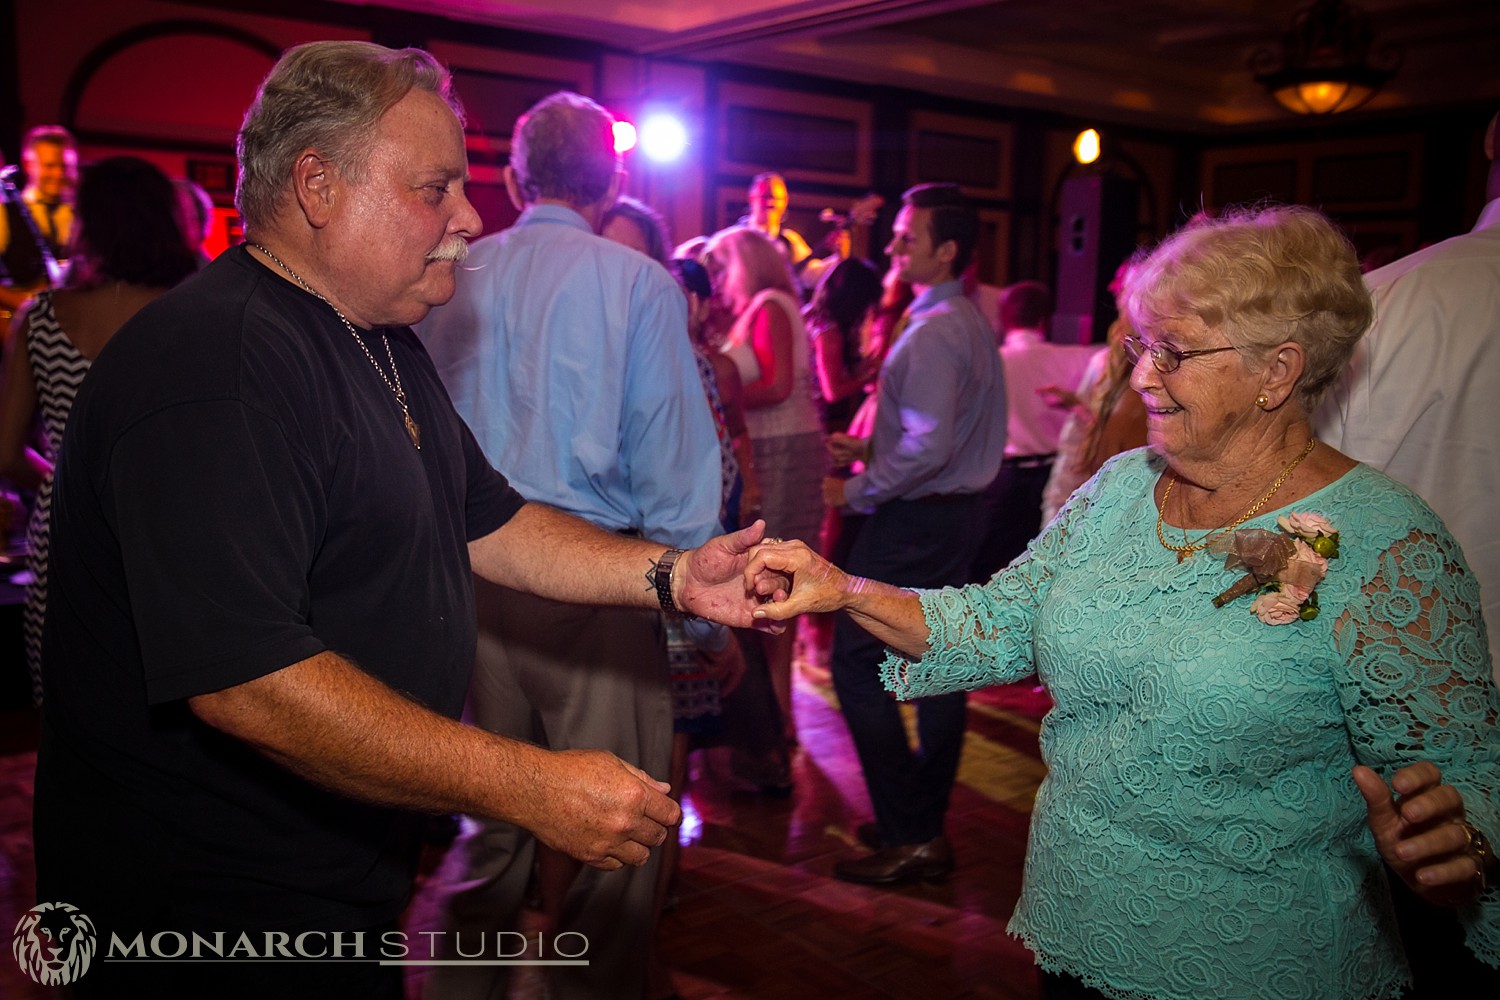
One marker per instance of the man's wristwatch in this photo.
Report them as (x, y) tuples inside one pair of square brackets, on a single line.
[(662, 576)]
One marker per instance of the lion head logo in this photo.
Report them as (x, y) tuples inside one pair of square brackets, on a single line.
[(54, 942)]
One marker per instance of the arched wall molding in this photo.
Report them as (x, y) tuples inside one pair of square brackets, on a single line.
[(101, 55), (1121, 163)]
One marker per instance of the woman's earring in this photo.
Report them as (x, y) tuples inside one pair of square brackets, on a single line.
[(1262, 401)]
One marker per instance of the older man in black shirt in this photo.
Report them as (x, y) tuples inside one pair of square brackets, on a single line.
[(265, 517)]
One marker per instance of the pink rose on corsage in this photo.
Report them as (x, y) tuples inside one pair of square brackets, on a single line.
[(1305, 568), (1305, 525), (1277, 607), (1296, 593), (1314, 529), (1284, 568)]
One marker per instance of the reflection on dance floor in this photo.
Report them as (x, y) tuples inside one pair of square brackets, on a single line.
[(757, 911)]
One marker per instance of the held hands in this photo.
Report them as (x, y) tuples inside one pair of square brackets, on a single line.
[(796, 580), (716, 583), (600, 810), (1420, 832), (803, 581)]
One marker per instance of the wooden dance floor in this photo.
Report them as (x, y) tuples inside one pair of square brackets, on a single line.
[(757, 912)]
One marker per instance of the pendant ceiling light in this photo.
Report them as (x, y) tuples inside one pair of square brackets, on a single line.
[(1324, 65)]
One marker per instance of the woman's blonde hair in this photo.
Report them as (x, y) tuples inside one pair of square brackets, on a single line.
[(751, 264), (1264, 276)]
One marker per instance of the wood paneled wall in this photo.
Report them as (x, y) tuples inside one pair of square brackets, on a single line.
[(170, 81)]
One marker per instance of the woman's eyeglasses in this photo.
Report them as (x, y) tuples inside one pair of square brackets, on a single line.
[(1164, 357)]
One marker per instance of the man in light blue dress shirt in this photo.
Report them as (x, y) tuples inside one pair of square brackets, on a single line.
[(568, 356)]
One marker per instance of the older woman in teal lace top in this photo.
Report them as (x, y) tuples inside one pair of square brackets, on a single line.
[(1269, 669)]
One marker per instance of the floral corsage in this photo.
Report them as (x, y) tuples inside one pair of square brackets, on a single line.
[(1283, 568)]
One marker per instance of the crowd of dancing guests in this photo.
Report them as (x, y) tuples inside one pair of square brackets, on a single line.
[(1233, 809)]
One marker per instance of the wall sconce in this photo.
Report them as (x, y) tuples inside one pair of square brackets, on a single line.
[(1324, 66), (1086, 147)]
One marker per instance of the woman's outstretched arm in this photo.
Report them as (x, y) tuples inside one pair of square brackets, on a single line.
[(890, 614)]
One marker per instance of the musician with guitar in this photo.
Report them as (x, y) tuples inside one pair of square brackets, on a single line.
[(36, 225), (767, 198)]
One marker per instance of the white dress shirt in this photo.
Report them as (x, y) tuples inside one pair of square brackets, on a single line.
[(1421, 397)]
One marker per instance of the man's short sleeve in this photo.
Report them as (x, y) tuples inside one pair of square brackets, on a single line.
[(218, 520), (490, 500)]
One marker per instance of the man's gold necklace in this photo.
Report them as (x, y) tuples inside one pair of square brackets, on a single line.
[(412, 430), (1183, 551)]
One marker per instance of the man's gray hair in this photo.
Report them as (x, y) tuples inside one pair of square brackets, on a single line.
[(564, 148), (328, 96)]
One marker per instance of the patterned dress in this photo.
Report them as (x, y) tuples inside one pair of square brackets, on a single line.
[(58, 369)]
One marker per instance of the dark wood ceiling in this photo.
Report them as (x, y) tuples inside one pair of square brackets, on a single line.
[(1181, 64)]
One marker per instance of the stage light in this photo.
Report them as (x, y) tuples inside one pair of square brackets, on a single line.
[(663, 138), (624, 137), (1086, 147)]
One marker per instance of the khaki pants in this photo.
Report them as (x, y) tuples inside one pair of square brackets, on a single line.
[(566, 677)]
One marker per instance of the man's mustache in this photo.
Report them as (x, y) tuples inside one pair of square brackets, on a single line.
[(454, 248)]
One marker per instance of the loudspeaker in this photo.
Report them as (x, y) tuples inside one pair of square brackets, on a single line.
[(1097, 229)]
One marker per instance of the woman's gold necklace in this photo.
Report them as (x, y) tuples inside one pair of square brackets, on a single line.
[(413, 431), (1183, 551)]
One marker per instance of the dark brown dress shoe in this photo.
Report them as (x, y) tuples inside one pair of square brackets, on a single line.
[(929, 862), (868, 834)]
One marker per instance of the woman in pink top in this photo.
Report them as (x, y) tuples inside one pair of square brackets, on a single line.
[(757, 303)]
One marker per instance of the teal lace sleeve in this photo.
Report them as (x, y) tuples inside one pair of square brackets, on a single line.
[(1417, 685), (982, 634)]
